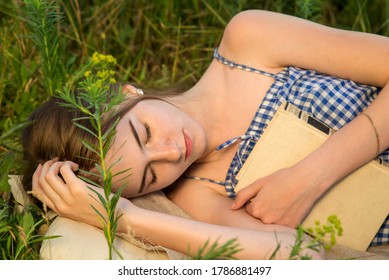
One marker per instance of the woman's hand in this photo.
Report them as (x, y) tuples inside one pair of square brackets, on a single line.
[(68, 196), (284, 197)]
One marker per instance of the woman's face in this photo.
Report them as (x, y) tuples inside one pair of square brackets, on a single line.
[(157, 142)]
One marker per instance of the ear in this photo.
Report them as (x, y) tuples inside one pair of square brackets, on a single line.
[(128, 89)]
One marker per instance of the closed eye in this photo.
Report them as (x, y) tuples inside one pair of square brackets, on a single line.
[(154, 176), (148, 139), (148, 133), (149, 166)]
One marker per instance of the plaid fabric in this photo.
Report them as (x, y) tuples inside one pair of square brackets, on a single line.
[(331, 100)]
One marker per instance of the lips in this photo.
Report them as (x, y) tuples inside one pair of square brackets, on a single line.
[(188, 146)]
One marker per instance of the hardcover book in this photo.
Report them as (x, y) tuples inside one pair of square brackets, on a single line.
[(360, 201)]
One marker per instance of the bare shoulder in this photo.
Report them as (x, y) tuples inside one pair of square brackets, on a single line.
[(249, 33), (277, 40), (237, 43)]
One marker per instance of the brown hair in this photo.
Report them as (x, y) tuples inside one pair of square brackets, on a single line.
[(52, 133)]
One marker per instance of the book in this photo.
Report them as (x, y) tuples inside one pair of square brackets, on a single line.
[(360, 200)]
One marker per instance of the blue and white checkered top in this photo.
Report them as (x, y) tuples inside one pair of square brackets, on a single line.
[(331, 100)]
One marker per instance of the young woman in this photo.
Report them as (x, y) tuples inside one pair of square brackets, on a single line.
[(197, 141)]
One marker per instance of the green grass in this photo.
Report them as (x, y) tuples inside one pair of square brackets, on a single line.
[(156, 43)]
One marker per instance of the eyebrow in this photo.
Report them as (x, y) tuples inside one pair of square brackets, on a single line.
[(135, 134), (137, 139)]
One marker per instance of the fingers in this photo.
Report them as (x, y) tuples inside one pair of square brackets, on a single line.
[(50, 181), (66, 169), (48, 185), (39, 186), (36, 190), (254, 210), (56, 185), (245, 195)]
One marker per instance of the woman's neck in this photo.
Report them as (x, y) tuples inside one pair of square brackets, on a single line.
[(204, 102)]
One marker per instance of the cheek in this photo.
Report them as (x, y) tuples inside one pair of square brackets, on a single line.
[(169, 174), (129, 192)]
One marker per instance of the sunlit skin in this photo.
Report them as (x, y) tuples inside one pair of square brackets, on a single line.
[(157, 147), (170, 138)]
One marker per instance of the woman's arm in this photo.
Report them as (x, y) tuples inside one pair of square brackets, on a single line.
[(286, 196), (70, 197), (181, 234), (274, 40)]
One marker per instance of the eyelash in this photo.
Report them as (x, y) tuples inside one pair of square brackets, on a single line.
[(154, 179), (148, 133), (148, 138)]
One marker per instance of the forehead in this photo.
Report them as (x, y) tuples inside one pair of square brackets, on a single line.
[(151, 110)]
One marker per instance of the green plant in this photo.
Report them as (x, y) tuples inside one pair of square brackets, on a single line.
[(216, 251), (156, 43), (326, 233), (42, 18), (309, 9), (323, 235), (96, 102), (19, 239)]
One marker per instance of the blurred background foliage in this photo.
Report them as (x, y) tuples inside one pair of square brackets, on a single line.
[(156, 43)]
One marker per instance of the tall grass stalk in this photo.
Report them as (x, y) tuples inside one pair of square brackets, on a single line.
[(309, 9), (362, 19), (385, 24), (42, 19), (96, 102)]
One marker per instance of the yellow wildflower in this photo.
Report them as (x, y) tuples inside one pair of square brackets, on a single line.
[(87, 74), (103, 74), (99, 58), (95, 58), (111, 59)]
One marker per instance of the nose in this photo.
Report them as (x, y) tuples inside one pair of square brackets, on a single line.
[(168, 152)]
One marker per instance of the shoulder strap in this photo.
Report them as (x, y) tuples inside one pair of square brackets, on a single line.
[(233, 65)]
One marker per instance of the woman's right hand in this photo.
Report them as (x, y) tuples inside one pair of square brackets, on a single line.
[(68, 196)]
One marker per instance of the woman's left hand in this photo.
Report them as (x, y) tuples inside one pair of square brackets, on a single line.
[(284, 197)]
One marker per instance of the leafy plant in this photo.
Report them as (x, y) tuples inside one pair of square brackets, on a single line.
[(156, 43), (42, 18), (96, 102), (216, 251), (309, 9), (19, 235), (323, 235), (326, 233)]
